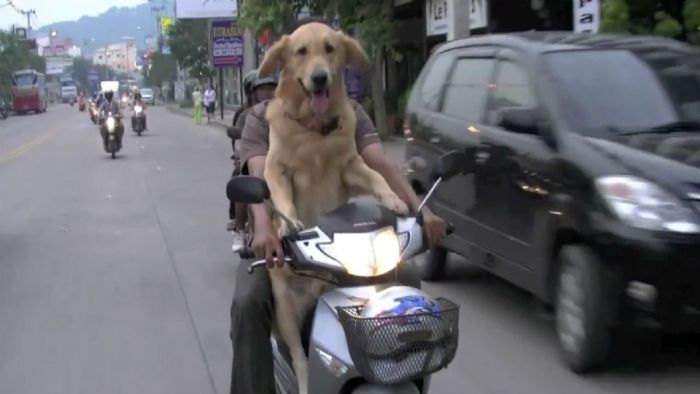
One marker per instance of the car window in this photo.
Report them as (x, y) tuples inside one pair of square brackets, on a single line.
[(434, 81), (512, 88), (468, 87), (599, 99)]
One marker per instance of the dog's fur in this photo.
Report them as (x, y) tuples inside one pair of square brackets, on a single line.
[(309, 173)]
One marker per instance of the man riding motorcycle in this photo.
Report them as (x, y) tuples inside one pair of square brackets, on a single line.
[(110, 105), (256, 90), (252, 309), (138, 101)]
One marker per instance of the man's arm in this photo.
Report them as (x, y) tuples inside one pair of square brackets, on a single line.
[(261, 213), (376, 158)]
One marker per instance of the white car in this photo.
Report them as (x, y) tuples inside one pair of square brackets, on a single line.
[(148, 96)]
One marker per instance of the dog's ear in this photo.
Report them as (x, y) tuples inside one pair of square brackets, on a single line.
[(354, 53), (274, 57)]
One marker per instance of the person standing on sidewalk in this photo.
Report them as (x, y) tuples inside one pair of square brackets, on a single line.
[(210, 102), (197, 98)]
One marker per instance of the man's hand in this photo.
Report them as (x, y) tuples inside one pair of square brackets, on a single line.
[(434, 226), (267, 245)]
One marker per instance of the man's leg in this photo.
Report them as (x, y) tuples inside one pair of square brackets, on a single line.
[(251, 318)]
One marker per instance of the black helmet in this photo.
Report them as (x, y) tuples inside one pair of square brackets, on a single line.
[(271, 80), (248, 82), (109, 95)]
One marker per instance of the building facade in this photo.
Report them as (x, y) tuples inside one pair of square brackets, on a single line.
[(120, 57)]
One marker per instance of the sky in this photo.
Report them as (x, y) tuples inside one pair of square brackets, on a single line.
[(51, 11)]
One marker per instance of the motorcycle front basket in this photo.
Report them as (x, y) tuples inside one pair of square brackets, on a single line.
[(397, 349)]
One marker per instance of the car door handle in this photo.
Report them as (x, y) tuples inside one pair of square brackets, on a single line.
[(483, 153)]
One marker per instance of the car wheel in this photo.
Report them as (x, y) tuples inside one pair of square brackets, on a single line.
[(581, 322), (434, 264)]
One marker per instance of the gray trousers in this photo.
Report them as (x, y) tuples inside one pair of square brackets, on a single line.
[(251, 319)]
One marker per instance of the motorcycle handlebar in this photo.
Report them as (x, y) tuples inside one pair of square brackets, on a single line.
[(248, 253)]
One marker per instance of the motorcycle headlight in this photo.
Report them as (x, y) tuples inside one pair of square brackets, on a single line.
[(110, 124), (643, 204), (138, 109), (366, 254)]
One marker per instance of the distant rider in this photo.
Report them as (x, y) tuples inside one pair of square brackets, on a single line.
[(109, 105), (138, 100)]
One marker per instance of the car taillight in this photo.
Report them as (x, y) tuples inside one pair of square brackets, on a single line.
[(407, 132)]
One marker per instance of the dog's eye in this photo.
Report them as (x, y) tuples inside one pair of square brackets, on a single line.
[(329, 48), (301, 51)]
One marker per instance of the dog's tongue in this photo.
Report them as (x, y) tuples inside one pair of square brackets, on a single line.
[(319, 102)]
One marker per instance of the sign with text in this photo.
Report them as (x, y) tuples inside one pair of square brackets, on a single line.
[(437, 15), (54, 65), (226, 43), (586, 16), (197, 9)]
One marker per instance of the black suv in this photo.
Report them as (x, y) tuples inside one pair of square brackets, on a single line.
[(582, 182)]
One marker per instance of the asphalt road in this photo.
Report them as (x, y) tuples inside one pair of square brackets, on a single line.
[(116, 276)]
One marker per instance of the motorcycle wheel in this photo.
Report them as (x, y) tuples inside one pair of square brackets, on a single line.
[(114, 155), (139, 133)]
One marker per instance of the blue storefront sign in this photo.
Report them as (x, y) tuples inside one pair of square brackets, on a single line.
[(226, 43)]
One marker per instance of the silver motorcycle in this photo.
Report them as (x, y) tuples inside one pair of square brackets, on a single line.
[(348, 350)]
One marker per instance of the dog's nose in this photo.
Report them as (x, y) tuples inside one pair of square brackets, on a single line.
[(319, 78)]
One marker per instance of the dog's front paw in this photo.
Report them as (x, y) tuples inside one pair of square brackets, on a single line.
[(393, 202), (285, 229)]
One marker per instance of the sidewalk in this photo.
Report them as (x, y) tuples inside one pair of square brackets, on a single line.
[(189, 112)]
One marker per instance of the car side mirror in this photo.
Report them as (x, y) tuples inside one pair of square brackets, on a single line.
[(518, 119), (247, 189)]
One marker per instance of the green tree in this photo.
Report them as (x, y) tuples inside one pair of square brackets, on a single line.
[(660, 18), (81, 68), (189, 43), (691, 20), (14, 56), (162, 68), (370, 20)]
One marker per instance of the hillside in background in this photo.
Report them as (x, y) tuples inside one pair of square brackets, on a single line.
[(106, 28)]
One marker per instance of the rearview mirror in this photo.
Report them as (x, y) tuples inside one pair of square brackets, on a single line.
[(518, 119), (451, 164), (247, 189)]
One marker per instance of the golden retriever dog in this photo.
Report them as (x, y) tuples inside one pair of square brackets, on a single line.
[(312, 165)]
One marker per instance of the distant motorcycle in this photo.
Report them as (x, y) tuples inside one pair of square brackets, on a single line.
[(81, 105), (4, 109), (112, 132), (71, 101), (93, 111), (138, 119)]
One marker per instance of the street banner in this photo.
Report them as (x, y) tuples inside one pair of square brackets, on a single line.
[(54, 65), (586, 16), (226, 39), (198, 9), (166, 23)]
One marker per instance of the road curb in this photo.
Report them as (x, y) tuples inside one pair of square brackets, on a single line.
[(189, 112)]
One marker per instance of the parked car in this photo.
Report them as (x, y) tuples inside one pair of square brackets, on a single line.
[(148, 96), (583, 184)]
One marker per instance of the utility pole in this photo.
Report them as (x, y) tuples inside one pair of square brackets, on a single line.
[(459, 14), (27, 13)]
